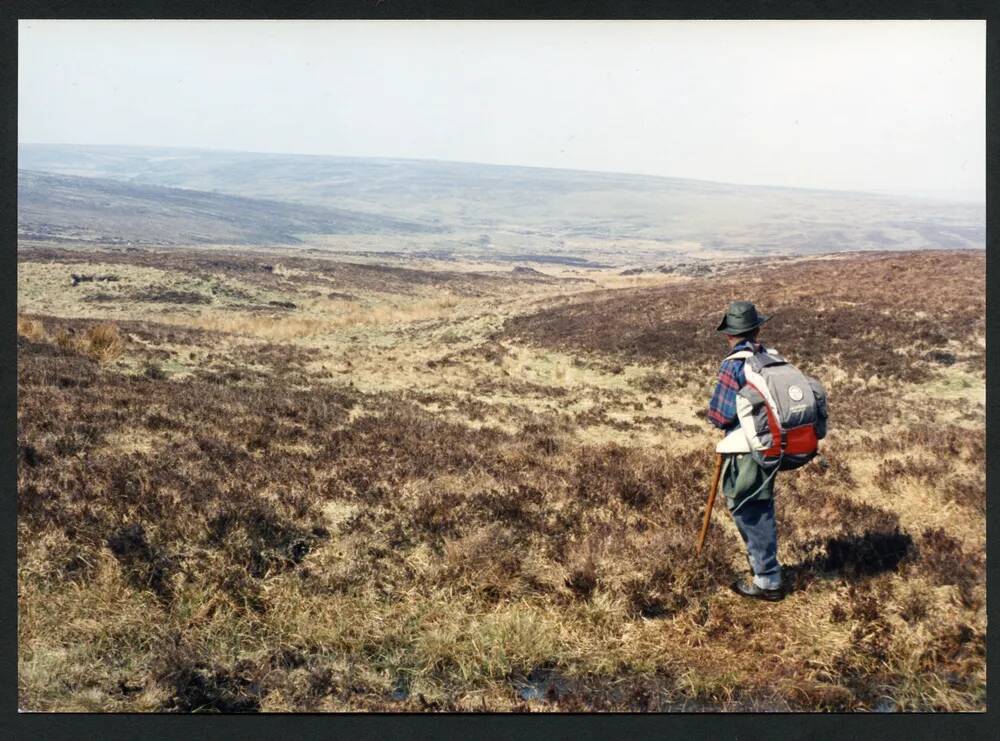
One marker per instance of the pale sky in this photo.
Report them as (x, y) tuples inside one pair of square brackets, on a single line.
[(858, 105)]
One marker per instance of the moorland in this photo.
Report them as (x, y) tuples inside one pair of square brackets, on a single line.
[(272, 478), (363, 205)]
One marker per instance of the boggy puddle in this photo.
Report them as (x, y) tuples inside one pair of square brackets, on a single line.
[(546, 685), (541, 684)]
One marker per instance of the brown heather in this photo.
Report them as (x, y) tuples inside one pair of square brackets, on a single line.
[(870, 305), (490, 510)]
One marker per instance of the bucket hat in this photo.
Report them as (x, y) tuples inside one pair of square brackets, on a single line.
[(741, 317)]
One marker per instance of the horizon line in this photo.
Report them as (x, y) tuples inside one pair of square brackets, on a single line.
[(915, 194)]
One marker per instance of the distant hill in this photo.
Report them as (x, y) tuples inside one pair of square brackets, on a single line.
[(499, 209), (109, 211)]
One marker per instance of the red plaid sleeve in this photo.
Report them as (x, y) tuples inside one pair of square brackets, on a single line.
[(722, 406)]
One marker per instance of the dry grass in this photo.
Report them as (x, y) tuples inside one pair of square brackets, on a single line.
[(265, 327), (326, 317), (103, 343), (32, 329), (100, 342), (414, 511)]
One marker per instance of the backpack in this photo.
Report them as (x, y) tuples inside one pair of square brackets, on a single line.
[(781, 410)]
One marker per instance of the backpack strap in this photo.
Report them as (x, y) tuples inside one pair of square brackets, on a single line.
[(747, 354)]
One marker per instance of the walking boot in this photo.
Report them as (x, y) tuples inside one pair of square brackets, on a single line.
[(749, 589)]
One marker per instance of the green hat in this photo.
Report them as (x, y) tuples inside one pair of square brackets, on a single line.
[(740, 318)]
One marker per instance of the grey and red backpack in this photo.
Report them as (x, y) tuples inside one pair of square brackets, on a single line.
[(781, 410)]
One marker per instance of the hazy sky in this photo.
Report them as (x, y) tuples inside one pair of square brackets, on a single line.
[(858, 105)]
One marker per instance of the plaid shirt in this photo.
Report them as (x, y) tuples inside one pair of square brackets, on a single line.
[(722, 407)]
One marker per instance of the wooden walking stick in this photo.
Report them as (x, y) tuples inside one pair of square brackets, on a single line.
[(711, 502)]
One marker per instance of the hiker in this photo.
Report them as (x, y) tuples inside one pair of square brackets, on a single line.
[(747, 486)]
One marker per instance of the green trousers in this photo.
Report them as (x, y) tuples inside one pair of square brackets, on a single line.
[(741, 477)]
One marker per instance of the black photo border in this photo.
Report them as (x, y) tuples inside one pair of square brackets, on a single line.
[(751, 726)]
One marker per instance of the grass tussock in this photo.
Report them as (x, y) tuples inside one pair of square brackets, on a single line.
[(31, 329), (100, 342)]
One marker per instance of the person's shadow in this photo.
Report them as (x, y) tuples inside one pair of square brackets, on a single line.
[(850, 557)]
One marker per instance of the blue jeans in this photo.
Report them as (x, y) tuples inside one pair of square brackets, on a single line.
[(755, 521)]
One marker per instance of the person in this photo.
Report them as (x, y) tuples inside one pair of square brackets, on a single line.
[(747, 486)]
